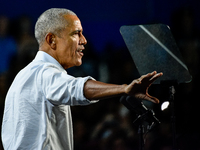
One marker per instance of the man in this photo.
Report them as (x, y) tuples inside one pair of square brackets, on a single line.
[(37, 109)]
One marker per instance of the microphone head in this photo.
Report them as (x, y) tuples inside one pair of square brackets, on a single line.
[(136, 104), (133, 104), (125, 103)]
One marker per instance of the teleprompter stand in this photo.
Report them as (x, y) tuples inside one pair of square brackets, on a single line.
[(153, 48)]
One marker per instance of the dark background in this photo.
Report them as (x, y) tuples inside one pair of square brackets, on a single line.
[(107, 124), (102, 19)]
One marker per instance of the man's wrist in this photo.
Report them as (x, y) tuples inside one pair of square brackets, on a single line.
[(124, 89)]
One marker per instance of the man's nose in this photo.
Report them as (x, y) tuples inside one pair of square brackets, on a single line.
[(83, 40)]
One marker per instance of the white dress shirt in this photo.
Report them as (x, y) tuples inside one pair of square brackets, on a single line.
[(37, 112)]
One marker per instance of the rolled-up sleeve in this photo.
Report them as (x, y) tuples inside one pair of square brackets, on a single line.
[(60, 88)]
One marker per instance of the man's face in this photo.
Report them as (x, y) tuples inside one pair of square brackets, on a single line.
[(71, 43)]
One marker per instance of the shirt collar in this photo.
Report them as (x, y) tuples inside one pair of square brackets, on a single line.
[(41, 55)]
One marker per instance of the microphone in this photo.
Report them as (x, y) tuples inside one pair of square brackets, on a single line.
[(125, 100), (137, 106)]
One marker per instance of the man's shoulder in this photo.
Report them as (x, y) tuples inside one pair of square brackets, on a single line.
[(35, 72), (40, 65)]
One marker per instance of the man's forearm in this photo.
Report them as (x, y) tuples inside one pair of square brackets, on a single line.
[(94, 90)]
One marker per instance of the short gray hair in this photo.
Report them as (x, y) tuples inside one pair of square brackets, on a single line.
[(51, 21)]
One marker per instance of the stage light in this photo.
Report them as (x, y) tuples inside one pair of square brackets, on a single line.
[(164, 105)]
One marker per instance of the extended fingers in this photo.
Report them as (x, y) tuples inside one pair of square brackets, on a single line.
[(148, 76), (156, 76)]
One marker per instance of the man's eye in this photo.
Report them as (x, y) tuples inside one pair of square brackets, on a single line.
[(76, 33)]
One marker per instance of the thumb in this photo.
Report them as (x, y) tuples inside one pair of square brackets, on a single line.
[(152, 99)]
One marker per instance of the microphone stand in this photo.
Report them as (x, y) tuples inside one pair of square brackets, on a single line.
[(141, 140), (140, 120)]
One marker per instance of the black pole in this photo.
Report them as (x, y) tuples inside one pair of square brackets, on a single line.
[(173, 118), (141, 140)]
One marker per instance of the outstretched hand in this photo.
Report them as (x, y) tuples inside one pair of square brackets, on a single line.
[(139, 87)]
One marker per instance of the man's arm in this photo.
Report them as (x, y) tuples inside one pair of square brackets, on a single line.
[(138, 88)]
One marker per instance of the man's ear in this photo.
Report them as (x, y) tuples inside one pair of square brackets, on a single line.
[(51, 40)]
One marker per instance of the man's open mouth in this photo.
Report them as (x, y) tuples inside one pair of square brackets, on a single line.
[(80, 52)]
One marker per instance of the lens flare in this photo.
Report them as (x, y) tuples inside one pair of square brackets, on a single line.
[(164, 105)]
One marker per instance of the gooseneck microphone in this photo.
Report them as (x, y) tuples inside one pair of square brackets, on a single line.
[(138, 107)]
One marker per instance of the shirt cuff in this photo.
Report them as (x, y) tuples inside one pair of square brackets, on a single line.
[(83, 100)]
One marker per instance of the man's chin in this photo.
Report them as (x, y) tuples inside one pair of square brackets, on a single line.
[(79, 63)]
